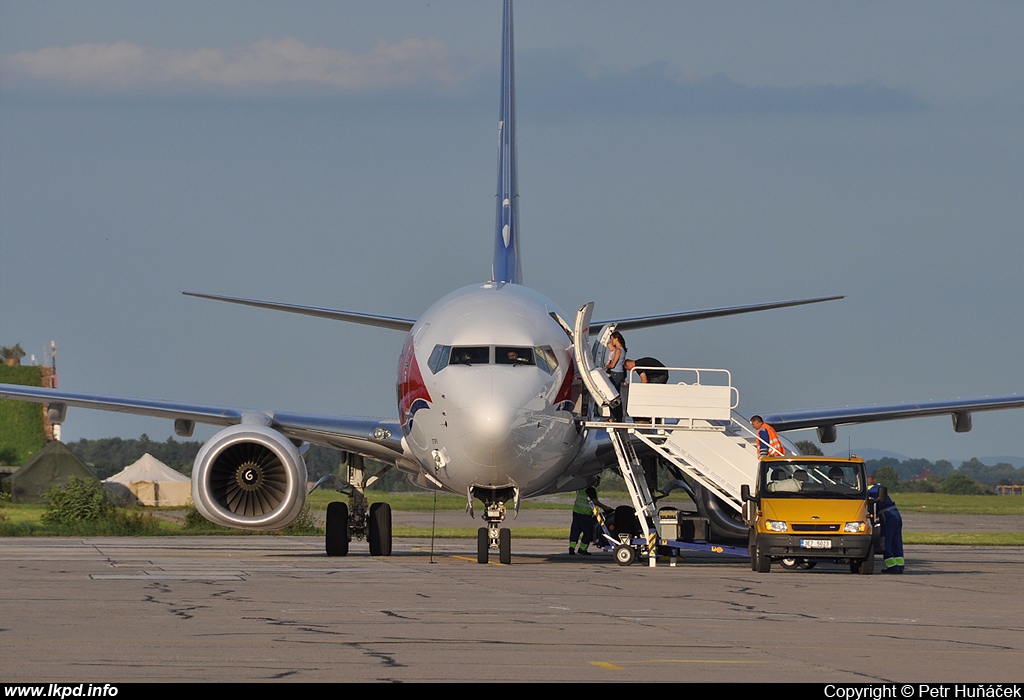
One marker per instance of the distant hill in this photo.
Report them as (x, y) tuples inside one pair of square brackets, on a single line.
[(871, 453), (1017, 462)]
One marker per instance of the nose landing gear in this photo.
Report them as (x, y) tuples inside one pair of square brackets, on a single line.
[(493, 536)]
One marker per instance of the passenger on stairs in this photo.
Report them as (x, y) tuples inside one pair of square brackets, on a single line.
[(648, 376)]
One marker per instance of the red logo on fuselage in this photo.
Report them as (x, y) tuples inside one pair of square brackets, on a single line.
[(412, 391)]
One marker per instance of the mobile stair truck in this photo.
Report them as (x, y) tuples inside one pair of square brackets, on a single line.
[(801, 509), (691, 426)]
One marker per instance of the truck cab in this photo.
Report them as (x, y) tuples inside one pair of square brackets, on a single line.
[(807, 509)]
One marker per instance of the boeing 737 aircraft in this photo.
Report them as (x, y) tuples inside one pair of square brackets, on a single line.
[(488, 402)]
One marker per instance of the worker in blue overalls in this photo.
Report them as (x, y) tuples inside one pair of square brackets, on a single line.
[(892, 530)]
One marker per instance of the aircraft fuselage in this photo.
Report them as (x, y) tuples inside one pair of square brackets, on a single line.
[(486, 391)]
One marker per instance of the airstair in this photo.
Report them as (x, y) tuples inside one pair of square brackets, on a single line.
[(692, 426), (689, 421)]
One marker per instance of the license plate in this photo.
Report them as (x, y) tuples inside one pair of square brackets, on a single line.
[(816, 544)]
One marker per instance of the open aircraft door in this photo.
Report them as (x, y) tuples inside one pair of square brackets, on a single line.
[(594, 378)]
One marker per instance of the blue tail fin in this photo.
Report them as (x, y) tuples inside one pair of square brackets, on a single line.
[(506, 266)]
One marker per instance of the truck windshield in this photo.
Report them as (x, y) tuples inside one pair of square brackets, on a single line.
[(812, 478)]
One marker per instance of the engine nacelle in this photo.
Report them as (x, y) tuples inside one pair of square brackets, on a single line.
[(249, 476)]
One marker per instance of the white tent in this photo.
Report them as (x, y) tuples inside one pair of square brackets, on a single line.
[(151, 483)]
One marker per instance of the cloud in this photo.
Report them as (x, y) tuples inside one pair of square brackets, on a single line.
[(426, 76), (268, 66)]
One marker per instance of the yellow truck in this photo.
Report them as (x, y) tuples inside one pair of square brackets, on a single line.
[(807, 509)]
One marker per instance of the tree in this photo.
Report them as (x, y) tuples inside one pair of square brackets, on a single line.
[(888, 477), (12, 355), (961, 484), (808, 447)]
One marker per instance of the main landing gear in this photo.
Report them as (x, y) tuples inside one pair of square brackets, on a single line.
[(493, 536), (358, 519)]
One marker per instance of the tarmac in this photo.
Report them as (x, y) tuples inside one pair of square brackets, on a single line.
[(272, 608), (913, 520)]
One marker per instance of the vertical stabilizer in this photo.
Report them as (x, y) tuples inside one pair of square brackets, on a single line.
[(506, 266)]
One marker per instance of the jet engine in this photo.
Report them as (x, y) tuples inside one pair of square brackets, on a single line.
[(249, 476)]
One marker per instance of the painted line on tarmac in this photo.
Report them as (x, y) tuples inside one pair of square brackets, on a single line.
[(613, 667)]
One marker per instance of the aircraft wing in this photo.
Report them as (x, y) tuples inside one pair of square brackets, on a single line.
[(825, 420), (629, 324), (392, 322), (372, 437)]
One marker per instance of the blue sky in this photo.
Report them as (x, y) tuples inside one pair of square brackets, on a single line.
[(673, 156)]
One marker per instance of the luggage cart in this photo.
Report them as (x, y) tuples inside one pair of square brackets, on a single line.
[(678, 534)]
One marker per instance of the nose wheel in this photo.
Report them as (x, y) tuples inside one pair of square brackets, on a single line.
[(488, 538), (493, 536)]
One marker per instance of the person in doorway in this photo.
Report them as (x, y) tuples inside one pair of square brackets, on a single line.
[(616, 368), (892, 530), (616, 364), (583, 520), (768, 442)]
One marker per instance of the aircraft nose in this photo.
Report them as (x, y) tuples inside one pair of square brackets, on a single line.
[(491, 421), (492, 434)]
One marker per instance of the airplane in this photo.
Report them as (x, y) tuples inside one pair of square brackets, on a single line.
[(489, 397)]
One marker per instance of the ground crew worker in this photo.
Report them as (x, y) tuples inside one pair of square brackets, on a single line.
[(768, 442), (892, 530), (583, 520)]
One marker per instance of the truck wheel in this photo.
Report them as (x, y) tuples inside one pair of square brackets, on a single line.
[(867, 565), (864, 566), (762, 563)]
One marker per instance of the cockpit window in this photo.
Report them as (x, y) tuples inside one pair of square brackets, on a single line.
[(504, 355), (439, 358), (470, 356), (444, 355), (546, 359)]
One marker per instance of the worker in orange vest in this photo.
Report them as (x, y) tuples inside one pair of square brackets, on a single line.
[(768, 442)]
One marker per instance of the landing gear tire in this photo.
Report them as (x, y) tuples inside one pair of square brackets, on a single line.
[(483, 544), (505, 546), (624, 555), (379, 530), (337, 529)]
